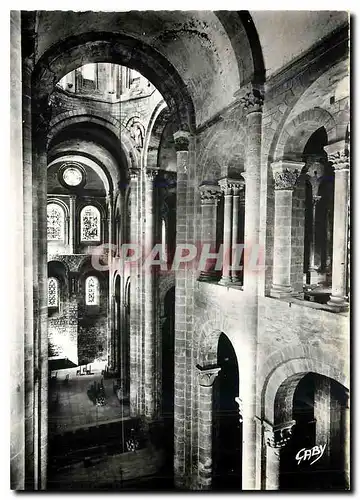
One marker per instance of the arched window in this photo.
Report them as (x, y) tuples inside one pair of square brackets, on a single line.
[(90, 224), (55, 222), (92, 291), (53, 292)]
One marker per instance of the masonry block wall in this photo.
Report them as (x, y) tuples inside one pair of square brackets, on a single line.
[(63, 332), (93, 327)]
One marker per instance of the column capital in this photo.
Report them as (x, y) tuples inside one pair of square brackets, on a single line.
[(278, 435), (339, 160), (207, 375), (230, 186), (151, 174), (209, 194), (182, 139), (134, 173), (237, 185), (286, 174), (251, 98)]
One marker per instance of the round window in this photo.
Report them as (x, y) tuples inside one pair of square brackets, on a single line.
[(72, 176)]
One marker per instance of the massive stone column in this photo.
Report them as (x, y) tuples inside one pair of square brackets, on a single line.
[(338, 155), (252, 103), (237, 186), (206, 380), (149, 317), (182, 153), (209, 195), (134, 306), (226, 187), (285, 177)]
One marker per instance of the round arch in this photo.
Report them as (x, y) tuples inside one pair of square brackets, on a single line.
[(122, 49), (296, 367), (296, 134), (107, 122)]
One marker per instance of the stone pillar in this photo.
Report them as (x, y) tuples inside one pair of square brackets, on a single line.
[(149, 318), (72, 225), (182, 152), (275, 438), (237, 186), (339, 157), (226, 188), (15, 270), (313, 265), (315, 173), (252, 103), (134, 323), (210, 195), (285, 176), (111, 342), (206, 380)]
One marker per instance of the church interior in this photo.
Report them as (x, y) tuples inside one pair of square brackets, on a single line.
[(144, 135)]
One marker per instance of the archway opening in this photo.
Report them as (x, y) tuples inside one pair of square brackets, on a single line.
[(313, 458), (227, 429)]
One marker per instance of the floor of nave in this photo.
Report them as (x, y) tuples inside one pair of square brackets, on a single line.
[(73, 408)]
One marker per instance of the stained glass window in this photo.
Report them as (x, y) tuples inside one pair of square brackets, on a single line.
[(92, 291), (53, 292), (55, 222), (90, 224)]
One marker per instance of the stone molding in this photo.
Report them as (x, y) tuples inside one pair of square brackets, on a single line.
[(339, 160)]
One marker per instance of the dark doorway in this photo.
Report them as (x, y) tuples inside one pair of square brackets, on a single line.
[(318, 409), (227, 429)]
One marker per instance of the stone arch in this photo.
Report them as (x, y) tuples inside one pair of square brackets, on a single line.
[(207, 341), (295, 134), (156, 126), (219, 141), (118, 49), (165, 284), (75, 117), (98, 169), (289, 370)]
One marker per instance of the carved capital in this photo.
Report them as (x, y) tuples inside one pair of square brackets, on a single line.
[(182, 139), (209, 194), (252, 101), (230, 186), (207, 375), (339, 160), (237, 185), (286, 174), (134, 173), (315, 200), (151, 174), (277, 436)]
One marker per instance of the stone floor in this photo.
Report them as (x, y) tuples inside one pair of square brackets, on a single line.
[(74, 409)]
